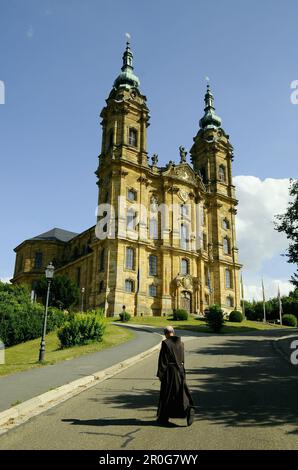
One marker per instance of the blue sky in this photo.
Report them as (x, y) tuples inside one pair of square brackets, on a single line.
[(58, 60)]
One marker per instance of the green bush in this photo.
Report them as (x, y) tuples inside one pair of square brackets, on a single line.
[(20, 319), (180, 314), (214, 318), (236, 316), (125, 316), (289, 320), (82, 328)]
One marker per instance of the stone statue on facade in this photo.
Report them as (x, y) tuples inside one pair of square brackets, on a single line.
[(183, 154)]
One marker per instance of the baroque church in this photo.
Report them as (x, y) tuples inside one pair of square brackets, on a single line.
[(168, 240)]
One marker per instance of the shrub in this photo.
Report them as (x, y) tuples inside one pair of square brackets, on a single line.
[(236, 316), (180, 314), (214, 318), (289, 320), (125, 316), (82, 328), (21, 320)]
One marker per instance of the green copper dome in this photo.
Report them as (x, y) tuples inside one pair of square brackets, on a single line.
[(210, 119), (127, 78)]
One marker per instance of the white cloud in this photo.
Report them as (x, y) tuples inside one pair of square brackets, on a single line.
[(6, 280), (30, 32), (259, 202), (254, 291), (258, 242)]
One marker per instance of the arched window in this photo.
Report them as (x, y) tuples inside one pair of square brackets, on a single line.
[(131, 195), (131, 219), (101, 287), (226, 246), (222, 173), (183, 210), (153, 229), (130, 258), (102, 260), (184, 266), (38, 261), (230, 301), (184, 237), (225, 224), (129, 285), (132, 137), (228, 279), (152, 265), (152, 290)]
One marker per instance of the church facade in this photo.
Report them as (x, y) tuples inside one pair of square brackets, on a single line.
[(165, 235)]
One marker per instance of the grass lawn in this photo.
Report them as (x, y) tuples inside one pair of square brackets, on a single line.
[(194, 324), (24, 356)]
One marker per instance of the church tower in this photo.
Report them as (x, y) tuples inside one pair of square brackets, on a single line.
[(122, 161), (212, 156)]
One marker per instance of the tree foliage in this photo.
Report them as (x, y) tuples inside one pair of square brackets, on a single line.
[(64, 292), (288, 224)]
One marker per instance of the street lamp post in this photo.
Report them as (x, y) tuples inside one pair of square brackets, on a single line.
[(82, 292), (49, 276)]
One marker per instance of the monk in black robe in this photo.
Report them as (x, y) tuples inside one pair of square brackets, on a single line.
[(175, 400)]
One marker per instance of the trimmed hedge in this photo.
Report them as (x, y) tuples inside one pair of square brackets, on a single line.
[(124, 316), (289, 320), (180, 314), (82, 328), (236, 316), (214, 318)]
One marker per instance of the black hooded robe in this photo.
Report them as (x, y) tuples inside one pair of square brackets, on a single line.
[(174, 399)]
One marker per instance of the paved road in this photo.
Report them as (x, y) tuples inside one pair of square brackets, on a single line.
[(28, 384), (246, 392)]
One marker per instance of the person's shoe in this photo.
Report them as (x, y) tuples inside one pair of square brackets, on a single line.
[(190, 416)]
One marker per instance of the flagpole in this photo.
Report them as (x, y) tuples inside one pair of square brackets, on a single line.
[(264, 305), (279, 307), (242, 295)]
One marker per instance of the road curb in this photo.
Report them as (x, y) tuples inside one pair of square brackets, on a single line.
[(21, 413)]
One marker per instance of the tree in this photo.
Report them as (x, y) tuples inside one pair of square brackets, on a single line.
[(288, 224), (64, 292)]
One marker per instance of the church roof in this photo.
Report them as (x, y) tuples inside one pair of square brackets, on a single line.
[(56, 234)]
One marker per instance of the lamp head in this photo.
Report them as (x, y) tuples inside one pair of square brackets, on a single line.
[(50, 271)]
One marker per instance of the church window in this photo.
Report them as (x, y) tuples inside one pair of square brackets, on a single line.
[(131, 195), (38, 261), (130, 258), (152, 290), (132, 137), (184, 266), (153, 229), (225, 224), (131, 219), (226, 246), (20, 262), (183, 210), (230, 301), (152, 265), (228, 279), (222, 173), (129, 285), (183, 237)]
